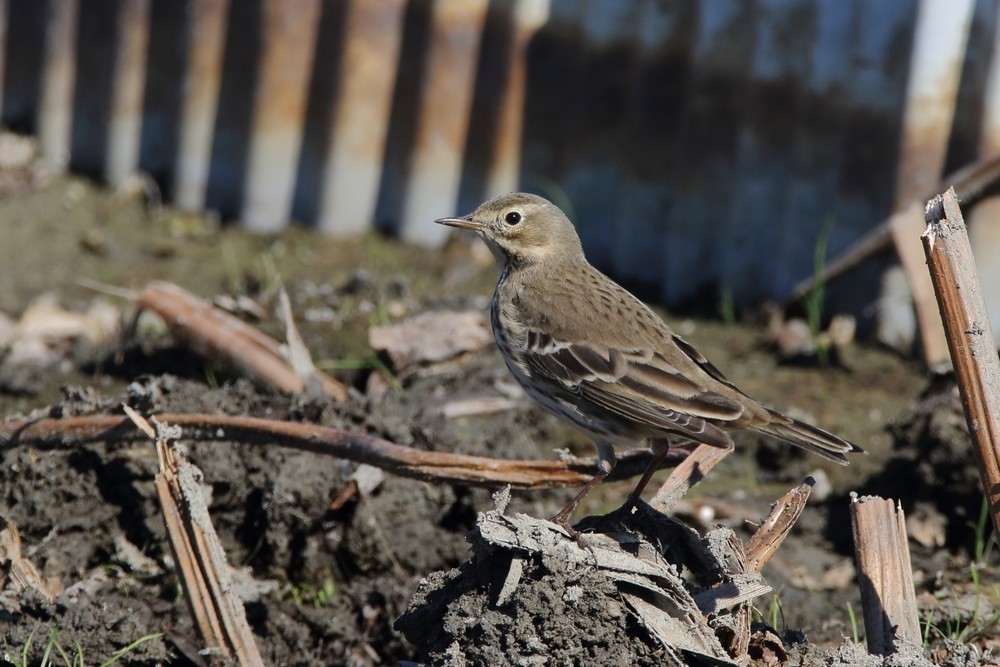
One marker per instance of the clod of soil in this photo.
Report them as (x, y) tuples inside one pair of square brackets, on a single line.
[(637, 588)]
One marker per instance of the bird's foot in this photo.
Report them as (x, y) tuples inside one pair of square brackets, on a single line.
[(560, 520)]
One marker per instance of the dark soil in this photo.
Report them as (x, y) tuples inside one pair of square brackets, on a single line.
[(334, 581)]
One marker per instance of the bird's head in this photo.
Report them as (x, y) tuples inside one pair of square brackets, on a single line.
[(522, 229)]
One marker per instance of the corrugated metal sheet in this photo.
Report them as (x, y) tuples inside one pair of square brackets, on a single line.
[(281, 93), (935, 71), (700, 147), (206, 39), (984, 221), (359, 123)]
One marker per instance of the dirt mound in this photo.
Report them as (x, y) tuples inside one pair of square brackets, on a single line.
[(531, 594), (932, 468)]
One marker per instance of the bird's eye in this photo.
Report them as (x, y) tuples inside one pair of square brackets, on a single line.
[(512, 218)]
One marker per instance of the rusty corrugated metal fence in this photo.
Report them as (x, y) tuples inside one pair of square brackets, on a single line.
[(701, 147)]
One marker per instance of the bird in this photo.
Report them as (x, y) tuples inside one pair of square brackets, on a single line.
[(594, 355)]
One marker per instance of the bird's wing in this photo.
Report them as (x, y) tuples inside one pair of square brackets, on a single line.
[(638, 385), (692, 353)]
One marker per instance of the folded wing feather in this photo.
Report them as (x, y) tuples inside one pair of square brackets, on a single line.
[(636, 385)]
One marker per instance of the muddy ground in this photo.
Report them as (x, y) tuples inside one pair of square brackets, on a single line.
[(338, 574)]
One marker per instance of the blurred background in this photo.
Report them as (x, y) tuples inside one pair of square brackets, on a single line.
[(712, 154)]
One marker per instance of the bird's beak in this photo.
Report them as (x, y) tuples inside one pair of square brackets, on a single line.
[(461, 223)]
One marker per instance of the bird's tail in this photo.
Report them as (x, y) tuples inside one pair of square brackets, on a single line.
[(809, 437)]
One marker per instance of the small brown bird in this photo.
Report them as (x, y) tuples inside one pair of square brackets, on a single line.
[(596, 356)]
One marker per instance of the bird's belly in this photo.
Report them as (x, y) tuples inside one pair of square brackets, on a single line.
[(592, 423), (555, 398)]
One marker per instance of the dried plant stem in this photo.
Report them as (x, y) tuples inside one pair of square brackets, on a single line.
[(218, 336), (688, 473), (775, 528), (970, 336), (204, 571), (886, 576), (359, 447)]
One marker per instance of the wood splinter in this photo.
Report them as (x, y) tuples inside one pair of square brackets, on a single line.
[(206, 576), (970, 336), (885, 574)]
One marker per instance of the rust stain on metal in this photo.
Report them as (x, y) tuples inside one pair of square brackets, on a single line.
[(204, 73), (936, 69), (935, 72), (360, 120), (443, 116), (59, 78), (289, 39), (129, 80), (924, 145), (447, 96), (373, 37), (289, 43), (208, 36), (502, 176), (632, 118)]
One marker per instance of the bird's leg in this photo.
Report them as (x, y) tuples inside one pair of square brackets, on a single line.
[(660, 451), (605, 463)]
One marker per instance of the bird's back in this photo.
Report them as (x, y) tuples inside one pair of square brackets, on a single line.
[(579, 304)]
